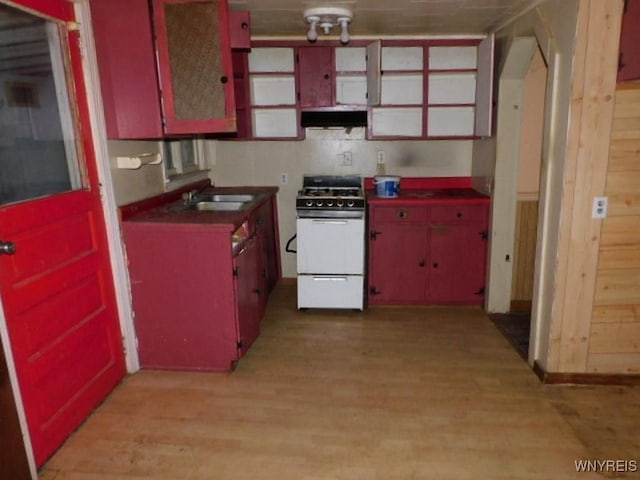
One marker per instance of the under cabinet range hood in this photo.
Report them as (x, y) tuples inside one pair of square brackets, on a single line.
[(319, 118)]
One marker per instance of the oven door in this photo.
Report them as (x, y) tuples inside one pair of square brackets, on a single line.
[(330, 246)]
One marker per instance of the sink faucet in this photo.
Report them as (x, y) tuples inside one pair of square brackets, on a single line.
[(189, 196)]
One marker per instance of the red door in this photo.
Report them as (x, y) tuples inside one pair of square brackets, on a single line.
[(397, 272), (247, 287), (457, 263), (56, 287), (316, 67)]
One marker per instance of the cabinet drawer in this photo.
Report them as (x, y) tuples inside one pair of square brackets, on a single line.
[(407, 214), (458, 213)]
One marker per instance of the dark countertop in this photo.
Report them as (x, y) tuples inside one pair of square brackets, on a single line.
[(429, 191), (171, 210)]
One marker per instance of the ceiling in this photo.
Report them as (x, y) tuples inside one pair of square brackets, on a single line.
[(384, 18)]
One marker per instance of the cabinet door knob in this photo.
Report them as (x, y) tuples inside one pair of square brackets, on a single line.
[(224, 79), (244, 25), (326, 76), (435, 264), (422, 263), (459, 214), (402, 214)]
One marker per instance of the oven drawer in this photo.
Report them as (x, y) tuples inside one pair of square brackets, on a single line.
[(331, 291), (330, 246)]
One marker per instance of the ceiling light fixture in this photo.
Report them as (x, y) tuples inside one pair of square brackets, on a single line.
[(326, 18)]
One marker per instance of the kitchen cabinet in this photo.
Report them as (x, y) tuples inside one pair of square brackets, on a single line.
[(266, 222), (397, 255), (316, 77), (194, 61), (457, 254), (629, 66), (272, 81), (198, 281), (249, 292), (429, 251), (240, 29), (434, 89), (190, 59), (125, 51)]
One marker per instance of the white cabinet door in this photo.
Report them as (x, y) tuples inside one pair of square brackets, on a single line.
[(330, 246), (397, 122), (450, 121), (275, 123), (271, 60)]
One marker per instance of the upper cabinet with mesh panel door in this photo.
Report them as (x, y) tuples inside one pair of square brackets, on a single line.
[(189, 90)]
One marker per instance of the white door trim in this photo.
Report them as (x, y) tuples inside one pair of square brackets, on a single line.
[(109, 205)]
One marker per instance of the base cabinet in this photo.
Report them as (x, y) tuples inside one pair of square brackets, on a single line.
[(427, 255), (198, 299)]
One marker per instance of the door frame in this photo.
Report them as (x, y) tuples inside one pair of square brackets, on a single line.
[(512, 81), (110, 207)]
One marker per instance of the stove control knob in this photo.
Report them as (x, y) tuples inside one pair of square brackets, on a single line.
[(340, 203), (319, 203), (329, 203), (350, 203), (309, 203)]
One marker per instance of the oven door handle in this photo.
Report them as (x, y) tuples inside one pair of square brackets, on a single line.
[(331, 222), (329, 279)]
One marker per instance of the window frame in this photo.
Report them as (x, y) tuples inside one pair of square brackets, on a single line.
[(182, 171)]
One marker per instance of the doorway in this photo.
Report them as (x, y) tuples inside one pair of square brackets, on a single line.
[(515, 325)]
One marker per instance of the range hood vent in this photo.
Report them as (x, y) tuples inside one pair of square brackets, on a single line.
[(333, 119)]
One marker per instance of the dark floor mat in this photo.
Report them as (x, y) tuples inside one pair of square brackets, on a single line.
[(515, 327)]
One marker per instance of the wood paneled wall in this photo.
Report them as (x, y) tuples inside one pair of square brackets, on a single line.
[(524, 252), (614, 345)]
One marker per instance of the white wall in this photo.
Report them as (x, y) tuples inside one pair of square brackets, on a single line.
[(263, 162), (132, 185)]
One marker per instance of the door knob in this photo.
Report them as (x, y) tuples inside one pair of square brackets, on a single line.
[(7, 248)]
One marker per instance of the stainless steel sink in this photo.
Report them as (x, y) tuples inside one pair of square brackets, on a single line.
[(228, 197), (218, 206)]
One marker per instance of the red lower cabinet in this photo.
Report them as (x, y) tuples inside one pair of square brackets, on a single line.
[(248, 291), (427, 254), (197, 306)]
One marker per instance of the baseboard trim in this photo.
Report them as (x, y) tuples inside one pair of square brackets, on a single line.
[(557, 378)]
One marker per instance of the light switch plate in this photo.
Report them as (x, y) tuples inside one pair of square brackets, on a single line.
[(600, 205)]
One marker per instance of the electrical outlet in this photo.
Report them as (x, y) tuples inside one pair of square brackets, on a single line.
[(600, 205), (284, 178), (347, 159), (381, 157)]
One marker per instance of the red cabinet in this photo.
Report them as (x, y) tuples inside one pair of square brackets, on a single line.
[(191, 55), (123, 36), (397, 252), (198, 298), (629, 67), (240, 29), (316, 77), (432, 254), (457, 256), (194, 61), (248, 280)]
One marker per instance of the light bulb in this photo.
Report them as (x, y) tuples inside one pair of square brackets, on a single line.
[(344, 35), (313, 33)]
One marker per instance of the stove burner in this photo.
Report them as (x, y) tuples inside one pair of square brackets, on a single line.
[(331, 196)]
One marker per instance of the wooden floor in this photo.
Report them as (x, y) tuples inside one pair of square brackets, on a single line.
[(391, 393)]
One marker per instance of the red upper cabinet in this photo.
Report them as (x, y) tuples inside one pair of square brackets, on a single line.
[(629, 67), (194, 59), (240, 29), (316, 77), (128, 77)]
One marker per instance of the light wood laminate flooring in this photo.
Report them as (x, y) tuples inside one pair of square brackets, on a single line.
[(391, 393)]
